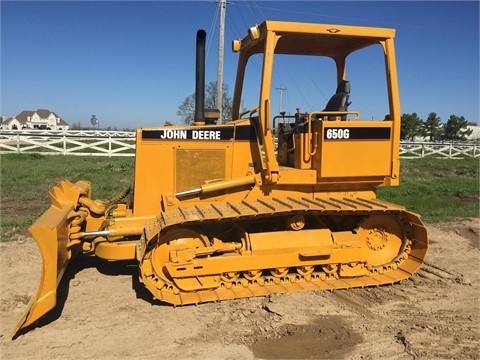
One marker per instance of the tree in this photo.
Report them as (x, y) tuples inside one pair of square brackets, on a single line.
[(187, 108), (456, 128), (411, 127), (432, 127), (76, 126)]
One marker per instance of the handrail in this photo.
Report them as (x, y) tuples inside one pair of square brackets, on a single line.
[(326, 114)]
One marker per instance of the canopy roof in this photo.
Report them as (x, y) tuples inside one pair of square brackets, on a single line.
[(316, 39)]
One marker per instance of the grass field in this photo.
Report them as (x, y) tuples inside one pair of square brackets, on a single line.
[(438, 189), (27, 178)]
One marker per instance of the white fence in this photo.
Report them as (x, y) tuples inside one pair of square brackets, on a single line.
[(416, 150), (122, 143), (76, 133), (95, 143)]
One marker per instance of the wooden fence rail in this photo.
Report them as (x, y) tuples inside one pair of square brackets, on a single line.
[(416, 150), (122, 143), (69, 143)]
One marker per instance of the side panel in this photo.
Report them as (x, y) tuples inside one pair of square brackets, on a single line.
[(353, 149), (172, 159), (152, 159)]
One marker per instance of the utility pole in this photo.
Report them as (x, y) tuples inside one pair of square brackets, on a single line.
[(281, 88), (221, 35)]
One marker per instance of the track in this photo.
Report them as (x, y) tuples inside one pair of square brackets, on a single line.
[(190, 263)]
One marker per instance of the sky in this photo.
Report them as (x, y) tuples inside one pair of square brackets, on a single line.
[(132, 63)]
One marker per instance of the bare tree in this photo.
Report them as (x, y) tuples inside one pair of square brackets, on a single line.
[(187, 108)]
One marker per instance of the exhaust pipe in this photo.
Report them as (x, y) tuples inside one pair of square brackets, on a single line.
[(200, 78)]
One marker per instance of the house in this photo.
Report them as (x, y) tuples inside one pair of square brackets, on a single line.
[(41, 119), (475, 135)]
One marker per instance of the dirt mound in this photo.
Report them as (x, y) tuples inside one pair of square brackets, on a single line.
[(104, 313)]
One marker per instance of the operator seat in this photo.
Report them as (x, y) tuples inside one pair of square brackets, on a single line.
[(339, 101)]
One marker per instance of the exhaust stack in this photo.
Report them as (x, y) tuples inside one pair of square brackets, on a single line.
[(200, 78)]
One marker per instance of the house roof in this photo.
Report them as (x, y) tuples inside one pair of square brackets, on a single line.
[(42, 113), (6, 121)]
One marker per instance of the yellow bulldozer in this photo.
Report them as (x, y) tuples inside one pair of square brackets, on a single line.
[(259, 204)]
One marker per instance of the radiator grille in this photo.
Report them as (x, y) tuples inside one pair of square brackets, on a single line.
[(193, 167)]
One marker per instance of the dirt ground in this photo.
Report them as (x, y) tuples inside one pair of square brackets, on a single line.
[(104, 313)]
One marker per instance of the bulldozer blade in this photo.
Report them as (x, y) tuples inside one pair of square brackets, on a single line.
[(51, 233)]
